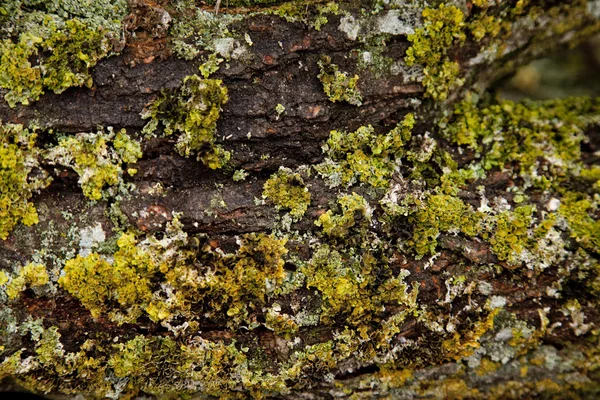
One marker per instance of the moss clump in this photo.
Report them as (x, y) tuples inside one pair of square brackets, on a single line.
[(442, 28), (18, 160), (192, 112), (97, 158), (287, 190), (54, 46), (97, 283), (31, 275), (365, 156), (338, 86), (354, 208)]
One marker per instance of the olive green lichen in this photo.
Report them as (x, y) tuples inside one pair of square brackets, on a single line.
[(353, 208), (210, 66), (191, 112), (123, 286), (511, 232), (287, 190), (96, 282), (443, 27), (365, 156), (18, 159), (520, 135), (338, 86), (576, 209), (442, 213), (96, 157), (55, 46)]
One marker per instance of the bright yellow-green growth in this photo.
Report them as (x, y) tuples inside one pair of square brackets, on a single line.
[(522, 134), (97, 283), (287, 190), (18, 158), (365, 156), (258, 270), (354, 208), (192, 112), (442, 28), (576, 209), (442, 213), (31, 275), (52, 45), (97, 158), (511, 232), (347, 283), (3, 278), (63, 57), (132, 358), (338, 86)]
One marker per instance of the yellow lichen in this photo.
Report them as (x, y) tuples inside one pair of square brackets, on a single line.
[(31, 275)]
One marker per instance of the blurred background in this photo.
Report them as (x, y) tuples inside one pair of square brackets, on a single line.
[(572, 72)]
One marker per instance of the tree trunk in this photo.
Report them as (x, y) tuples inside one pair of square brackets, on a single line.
[(295, 200)]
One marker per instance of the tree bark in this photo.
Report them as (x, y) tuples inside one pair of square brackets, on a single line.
[(480, 323)]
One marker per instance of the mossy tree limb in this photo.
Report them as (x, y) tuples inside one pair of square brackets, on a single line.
[(327, 212)]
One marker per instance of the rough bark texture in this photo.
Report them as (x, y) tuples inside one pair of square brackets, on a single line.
[(439, 265)]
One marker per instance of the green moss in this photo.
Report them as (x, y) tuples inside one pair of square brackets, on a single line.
[(55, 46), (192, 112), (18, 160), (338, 86), (442, 28), (287, 190), (365, 156), (31, 275), (96, 157)]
